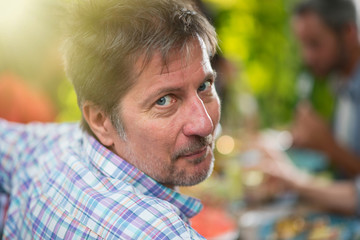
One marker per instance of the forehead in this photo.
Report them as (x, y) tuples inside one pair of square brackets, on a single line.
[(178, 57), (309, 23)]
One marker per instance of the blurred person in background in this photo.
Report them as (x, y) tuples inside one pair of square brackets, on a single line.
[(328, 36)]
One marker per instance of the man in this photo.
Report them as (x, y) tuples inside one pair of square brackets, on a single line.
[(328, 37), (327, 33), (141, 71)]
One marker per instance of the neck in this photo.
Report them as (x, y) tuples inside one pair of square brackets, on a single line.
[(175, 188)]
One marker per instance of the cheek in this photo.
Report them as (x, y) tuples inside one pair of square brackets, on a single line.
[(330, 48), (160, 126), (160, 131)]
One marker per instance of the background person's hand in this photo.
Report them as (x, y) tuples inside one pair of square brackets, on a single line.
[(278, 167), (337, 196), (310, 130)]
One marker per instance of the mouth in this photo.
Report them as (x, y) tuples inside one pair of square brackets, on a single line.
[(196, 149), (196, 154)]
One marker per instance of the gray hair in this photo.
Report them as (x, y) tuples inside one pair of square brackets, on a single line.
[(105, 39), (335, 13)]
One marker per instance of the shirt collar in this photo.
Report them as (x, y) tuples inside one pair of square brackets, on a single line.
[(114, 166)]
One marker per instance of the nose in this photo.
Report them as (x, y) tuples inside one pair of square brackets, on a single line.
[(198, 121)]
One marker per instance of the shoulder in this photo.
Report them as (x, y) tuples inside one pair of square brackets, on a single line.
[(43, 149), (98, 204), (33, 135), (37, 128)]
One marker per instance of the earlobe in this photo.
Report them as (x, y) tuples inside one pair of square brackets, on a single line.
[(99, 123)]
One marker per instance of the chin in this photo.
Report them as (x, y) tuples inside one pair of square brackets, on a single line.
[(190, 174), (199, 174)]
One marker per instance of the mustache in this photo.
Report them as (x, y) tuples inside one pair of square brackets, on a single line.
[(196, 144)]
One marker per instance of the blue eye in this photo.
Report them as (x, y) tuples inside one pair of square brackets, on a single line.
[(164, 101), (204, 86)]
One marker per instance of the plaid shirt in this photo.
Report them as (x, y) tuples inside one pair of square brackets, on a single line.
[(63, 184)]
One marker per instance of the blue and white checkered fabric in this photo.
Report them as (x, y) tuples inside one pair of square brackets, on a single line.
[(63, 184)]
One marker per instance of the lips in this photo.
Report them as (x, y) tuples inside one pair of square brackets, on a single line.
[(195, 148), (196, 153)]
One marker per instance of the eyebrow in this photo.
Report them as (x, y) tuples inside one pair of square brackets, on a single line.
[(162, 91)]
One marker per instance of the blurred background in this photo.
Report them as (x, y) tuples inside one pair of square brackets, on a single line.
[(33, 85), (261, 80)]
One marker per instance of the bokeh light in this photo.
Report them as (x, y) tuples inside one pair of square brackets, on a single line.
[(225, 144), (253, 178)]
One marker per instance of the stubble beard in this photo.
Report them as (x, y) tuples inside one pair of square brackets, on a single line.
[(169, 174), (179, 177)]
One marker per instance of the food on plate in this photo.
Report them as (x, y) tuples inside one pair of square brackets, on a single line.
[(290, 227), (321, 230)]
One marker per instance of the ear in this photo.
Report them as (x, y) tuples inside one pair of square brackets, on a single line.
[(99, 123), (351, 33)]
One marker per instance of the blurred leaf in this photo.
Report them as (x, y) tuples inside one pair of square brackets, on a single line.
[(69, 110), (256, 35)]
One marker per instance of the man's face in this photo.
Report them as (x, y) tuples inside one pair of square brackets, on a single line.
[(169, 116), (320, 47)]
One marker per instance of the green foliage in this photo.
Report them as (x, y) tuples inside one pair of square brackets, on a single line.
[(256, 35), (68, 108)]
